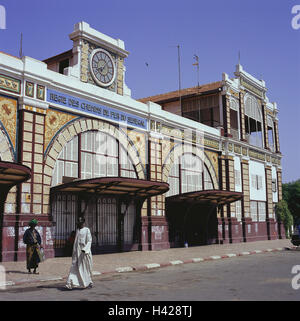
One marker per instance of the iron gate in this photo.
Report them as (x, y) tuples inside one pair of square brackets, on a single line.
[(64, 215), (114, 224)]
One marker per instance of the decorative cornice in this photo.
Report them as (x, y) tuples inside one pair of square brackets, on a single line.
[(26, 101)]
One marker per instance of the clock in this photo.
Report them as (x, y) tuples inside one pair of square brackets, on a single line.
[(102, 67)]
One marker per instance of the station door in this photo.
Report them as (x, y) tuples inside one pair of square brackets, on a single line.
[(114, 224)]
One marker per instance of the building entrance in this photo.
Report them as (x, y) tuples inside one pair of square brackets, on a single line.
[(192, 216), (113, 222), (111, 207), (192, 225)]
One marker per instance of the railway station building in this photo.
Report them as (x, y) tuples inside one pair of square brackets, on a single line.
[(196, 166)]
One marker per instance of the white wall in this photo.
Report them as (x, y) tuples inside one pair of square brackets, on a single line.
[(257, 168), (237, 167)]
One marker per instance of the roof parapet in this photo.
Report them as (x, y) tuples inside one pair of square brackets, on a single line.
[(82, 30)]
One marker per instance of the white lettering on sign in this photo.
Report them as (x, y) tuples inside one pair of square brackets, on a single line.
[(95, 109)]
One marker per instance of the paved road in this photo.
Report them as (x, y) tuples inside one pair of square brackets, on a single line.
[(254, 277)]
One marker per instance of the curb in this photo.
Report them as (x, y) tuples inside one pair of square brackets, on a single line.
[(152, 266), (149, 266)]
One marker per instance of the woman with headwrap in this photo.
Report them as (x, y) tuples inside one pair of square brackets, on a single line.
[(33, 241)]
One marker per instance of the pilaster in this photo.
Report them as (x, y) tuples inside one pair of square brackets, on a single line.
[(226, 115), (242, 116), (31, 155), (155, 232), (246, 219), (270, 222), (277, 136), (265, 127), (279, 182)]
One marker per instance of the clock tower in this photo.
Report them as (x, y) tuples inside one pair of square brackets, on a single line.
[(99, 59)]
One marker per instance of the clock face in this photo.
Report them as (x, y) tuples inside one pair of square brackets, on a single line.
[(102, 67)]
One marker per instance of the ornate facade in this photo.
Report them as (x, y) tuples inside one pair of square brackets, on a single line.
[(146, 174), (246, 156)]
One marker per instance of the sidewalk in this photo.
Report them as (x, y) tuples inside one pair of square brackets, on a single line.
[(56, 269)]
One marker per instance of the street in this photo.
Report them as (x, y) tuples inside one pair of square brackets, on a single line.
[(253, 277)]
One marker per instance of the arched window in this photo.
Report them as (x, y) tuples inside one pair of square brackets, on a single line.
[(187, 175), (92, 154), (253, 122)]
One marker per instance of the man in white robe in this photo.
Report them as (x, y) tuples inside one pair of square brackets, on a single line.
[(82, 262)]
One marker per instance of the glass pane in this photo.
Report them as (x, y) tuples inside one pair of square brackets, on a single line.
[(97, 160), (253, 209), (112, 146), (234, 119), (247, 127), (102, 165), (270, 138), (75, 149), (86, 165), (102, 143), (112, 166)]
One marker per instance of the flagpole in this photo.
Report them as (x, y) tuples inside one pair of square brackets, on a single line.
[(198, 100), (197, 64), (179, 76)]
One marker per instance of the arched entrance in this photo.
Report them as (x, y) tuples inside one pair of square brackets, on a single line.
[(192, 202), (111, 206), (193, 215)]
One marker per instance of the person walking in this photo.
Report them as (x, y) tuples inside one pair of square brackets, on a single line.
[(33, 241), (81, 269)]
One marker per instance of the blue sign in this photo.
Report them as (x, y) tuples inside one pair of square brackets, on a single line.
[(95, 109)]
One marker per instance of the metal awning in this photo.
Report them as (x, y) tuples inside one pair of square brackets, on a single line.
[(12, 174), (214, 197), (118, 186)]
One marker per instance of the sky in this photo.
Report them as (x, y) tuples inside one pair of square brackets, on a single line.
[(215, 30)]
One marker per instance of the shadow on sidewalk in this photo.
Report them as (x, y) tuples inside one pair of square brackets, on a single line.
[(60, 287), (18, 272)]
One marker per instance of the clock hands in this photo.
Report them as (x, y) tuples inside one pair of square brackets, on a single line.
[(103, 69)]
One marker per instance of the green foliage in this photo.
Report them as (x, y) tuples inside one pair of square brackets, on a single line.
[(284, 215), (291, 194)]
